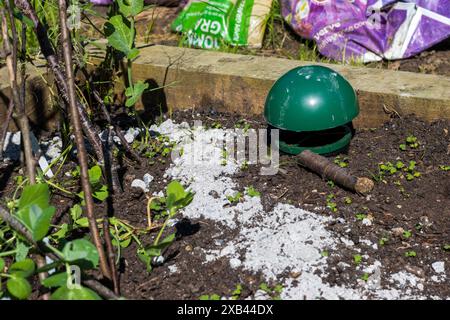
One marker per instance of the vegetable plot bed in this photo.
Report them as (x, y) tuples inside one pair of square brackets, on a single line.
[(233, 233)]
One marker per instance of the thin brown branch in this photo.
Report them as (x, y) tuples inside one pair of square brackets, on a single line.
[(111, 256), (89, 128), (18, 101), (77, 126)]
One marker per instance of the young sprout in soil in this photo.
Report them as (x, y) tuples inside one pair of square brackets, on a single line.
[(365, 277), (407, 234), (383, 241), (274, 292), (236, 294), (348, 200), (325, 253), (444, 168), (411, 142), (210, 297), (235, 199), (341, 162), (331, 204), (360, 216), (446, 247), (252, 192), (410, 254), (357, 258), (244, 165)]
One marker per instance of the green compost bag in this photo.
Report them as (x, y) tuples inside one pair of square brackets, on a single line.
[(210, 24)]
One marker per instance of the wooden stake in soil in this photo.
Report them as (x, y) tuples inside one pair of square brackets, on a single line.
[(331, 171), (82, 153)]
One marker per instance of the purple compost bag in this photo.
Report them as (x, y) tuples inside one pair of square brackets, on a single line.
[(369, 30)]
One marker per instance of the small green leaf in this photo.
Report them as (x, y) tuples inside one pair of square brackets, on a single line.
[(24, 268), (37, 220), (21, 251), (95, 174), (119, 34), (18, 287), (56, 280), (82, 252), (37, 194), (101, 194), (2, 265), (133, 54), (61, 233), (131, 7), (77, 293), (135, 92), (76, 212)]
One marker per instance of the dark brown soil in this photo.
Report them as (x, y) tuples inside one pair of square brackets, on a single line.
[(420, 206)]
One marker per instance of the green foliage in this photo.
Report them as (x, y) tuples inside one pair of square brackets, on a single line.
[(348, 200), (34, 210), (252, 192), (360, 216), (410, 142), (120, 32), (210, 297), (357, 259), (17, 284), (405, 170), (365, 277), (383, 241), (75, 293), (81, 252), (274, 292), (407, 234), (410, 254), (235, 198), (341, 162), (331, 203), (444, 168), (176, 198), (236, 294), (99, 190)]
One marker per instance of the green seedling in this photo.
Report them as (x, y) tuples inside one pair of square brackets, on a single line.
[(360, 216), (446, 247), (331, 204), (365, 277), (444, 168), (407, 234), (274, 292), (235, 199), (325, 253), (244, 165), (348, 200), (210, 297), (236, 294), (411, 142), (252, 192), (410, 254), (341, 162), (176, 198), (357, 259), (383, 241)]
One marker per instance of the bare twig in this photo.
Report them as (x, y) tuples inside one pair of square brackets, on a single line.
[(82, 154), (111, 256), (19, 102), (329, 170), (89, 128)]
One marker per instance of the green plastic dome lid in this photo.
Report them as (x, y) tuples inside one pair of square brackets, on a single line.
[(310, 98)]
